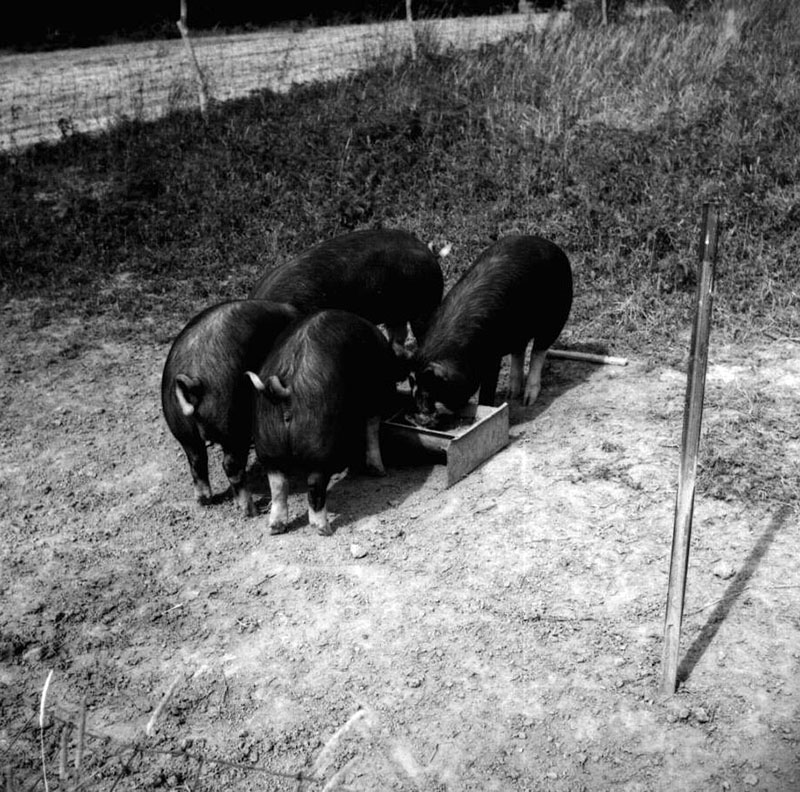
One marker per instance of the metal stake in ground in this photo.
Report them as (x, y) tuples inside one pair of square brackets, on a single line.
[(692, 418)]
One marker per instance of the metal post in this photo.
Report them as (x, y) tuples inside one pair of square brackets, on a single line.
[(692, 418)]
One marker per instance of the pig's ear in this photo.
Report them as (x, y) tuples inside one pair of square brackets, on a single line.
[(277, 390), (442, 370), (189, 392), (402, 363), (400, 352), (274, 389), (256, 380)]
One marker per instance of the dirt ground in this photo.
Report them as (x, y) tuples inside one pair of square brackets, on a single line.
[(502, 634)]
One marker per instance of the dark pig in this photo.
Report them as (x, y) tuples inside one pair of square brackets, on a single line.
[(387, 276), (322, 392), (518, 289), (205, 395)]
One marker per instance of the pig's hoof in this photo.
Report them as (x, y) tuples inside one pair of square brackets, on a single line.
[(250, 509), (325, 530), (376, 470), (278, 528), (202, 493), (530, 397)]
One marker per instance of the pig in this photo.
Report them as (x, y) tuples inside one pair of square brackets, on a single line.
[(387, 276), (321, 394), (205, 395), (518, 289)]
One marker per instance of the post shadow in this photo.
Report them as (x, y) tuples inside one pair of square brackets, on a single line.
[(558, 377), (733, 592)]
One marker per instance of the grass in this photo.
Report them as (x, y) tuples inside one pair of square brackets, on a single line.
[(607, 140), (746, 456)]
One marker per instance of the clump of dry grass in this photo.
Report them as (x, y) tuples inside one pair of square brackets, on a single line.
[(74, 756), (746, 454)]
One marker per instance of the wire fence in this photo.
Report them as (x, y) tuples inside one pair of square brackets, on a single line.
[(47, 96)]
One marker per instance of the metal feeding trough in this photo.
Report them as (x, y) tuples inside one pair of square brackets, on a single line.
[(477, 433)]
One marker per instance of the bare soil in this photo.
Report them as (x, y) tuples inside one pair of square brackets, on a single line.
[(503, 634)]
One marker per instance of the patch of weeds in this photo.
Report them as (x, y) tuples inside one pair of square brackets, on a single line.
[(743, 452), (606, 139)]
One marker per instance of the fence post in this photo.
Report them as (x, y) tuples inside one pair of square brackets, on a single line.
[(692, 418), (202, 88), (410, 23)]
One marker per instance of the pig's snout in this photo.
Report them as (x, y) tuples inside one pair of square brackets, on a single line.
[(424, 419)]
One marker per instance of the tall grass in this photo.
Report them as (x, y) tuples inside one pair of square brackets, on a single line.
[(608, 140)]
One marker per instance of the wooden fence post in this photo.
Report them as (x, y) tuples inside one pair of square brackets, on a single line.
[(202, 88), (692, 418), (410, 23)]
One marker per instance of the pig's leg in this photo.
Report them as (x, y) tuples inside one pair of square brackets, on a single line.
[(397, 336), (534, 383), (317, 510), (198, 465), (279, 508), (516, 373), (374, 460), (234, 463), (419, 327), (489, 382)]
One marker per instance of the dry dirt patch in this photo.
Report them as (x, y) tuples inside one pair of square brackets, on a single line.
[(503, 634)]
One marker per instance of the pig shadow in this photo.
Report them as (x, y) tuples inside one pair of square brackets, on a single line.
[(735, 589), (559, 376), (223, 496), (352, 495)]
